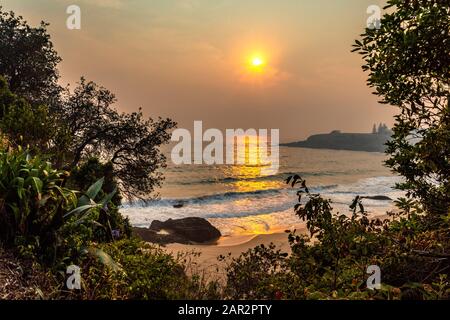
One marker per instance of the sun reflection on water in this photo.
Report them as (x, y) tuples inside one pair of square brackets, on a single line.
[(248, 178), (247, 175)]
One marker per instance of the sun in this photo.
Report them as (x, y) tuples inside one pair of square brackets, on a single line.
[(257, 61)]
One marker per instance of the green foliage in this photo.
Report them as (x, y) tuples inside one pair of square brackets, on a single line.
[(94, 219), (32, 201), (331, 262), (23, 124), (47, 220), (260, 273), (85, 175), (408, 61), (41, 216), (142, 272), (32, 126)]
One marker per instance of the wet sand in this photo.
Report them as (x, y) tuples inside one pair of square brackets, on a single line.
[(233, 245)]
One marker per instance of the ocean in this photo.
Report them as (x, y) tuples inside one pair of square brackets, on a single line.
[(238, 200)]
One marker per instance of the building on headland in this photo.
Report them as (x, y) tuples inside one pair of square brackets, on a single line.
[(337, 140)]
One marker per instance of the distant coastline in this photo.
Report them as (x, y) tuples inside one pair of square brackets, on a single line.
[(336, 140)]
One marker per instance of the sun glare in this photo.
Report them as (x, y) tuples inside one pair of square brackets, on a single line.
[(257, 61)]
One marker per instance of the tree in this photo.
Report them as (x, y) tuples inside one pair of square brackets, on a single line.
[(408, 61), (23, 124), (73, 127), (28, 60), (129, 142)]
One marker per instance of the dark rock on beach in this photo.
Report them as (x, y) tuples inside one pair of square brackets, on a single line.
[(185, 231), (193, 229), (159, 238), (380, 198)]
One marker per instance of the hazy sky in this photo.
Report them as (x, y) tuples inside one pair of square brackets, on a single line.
[(189, 60)]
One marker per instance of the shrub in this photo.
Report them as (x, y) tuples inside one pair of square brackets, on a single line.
[(132, 269), (260, 273), (87, 174), (46, 220), (331, 262), (32, 202), (24, 124)]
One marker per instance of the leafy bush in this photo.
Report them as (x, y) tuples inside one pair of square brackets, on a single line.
[(42, 218), (57, 226), (132, 269), (331, 262), (32, 201), (260, 273), (26, 125), (89, 173)]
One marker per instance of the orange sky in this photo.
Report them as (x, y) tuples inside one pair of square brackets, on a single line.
[(189, 60)]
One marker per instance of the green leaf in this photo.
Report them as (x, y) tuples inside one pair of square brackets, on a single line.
[(34, 172), (108, 198), (81, 209), (93, 190), (15, 212), (84, 200), (35, 183), (104, 258)]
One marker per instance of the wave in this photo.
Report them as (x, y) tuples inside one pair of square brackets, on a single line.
[(275, 177), (223, 197), (278, 203), (205, 199)]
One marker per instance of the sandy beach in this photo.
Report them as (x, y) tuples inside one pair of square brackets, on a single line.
[(233, 245)]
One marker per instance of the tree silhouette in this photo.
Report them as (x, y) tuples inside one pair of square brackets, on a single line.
[(73, 127), (28, 59)]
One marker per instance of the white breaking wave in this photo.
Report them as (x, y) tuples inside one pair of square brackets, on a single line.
[(232, 206)]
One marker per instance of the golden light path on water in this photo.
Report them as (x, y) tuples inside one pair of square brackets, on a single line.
[(247, 181)]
